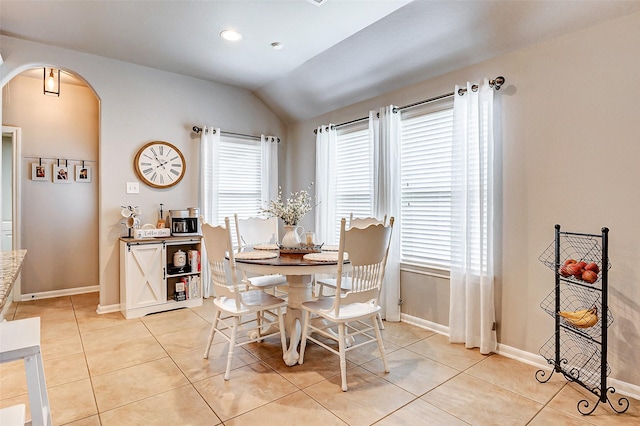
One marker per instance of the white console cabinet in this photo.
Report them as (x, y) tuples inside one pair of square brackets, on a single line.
[(148, 278)]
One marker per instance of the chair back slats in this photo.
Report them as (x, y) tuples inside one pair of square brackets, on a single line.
[(256, 230), (367, 250), (217, 241)]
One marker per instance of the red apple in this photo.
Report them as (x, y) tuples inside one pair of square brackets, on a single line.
[(589, 276), (592, 267), (564, 272), (582, 264), (569, 261), (575, 270)]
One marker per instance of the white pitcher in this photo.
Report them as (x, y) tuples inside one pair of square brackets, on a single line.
[(292, 235)]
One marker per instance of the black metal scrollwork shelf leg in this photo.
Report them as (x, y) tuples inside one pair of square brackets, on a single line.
[(540, 374), (622, 402)]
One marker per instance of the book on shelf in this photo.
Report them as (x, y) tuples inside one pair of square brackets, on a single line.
[(180, 293), (194, 286), (185, 283)]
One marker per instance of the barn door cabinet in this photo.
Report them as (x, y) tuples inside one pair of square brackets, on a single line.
[(578, 347), (148, 278)]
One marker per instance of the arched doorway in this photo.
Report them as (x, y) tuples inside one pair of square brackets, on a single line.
[(57, 187)]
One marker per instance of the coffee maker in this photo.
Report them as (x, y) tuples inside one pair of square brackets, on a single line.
[(184, 222)]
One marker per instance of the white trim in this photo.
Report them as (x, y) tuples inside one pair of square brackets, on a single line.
[(625, 388), (16, 187), (522, 356), (539, 361), (425, 270), (108, 309), (58, 293), (427, 325), (622, 388)]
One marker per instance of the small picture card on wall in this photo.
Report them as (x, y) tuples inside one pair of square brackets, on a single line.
[(60, 174), (39, 172), (83, 174)]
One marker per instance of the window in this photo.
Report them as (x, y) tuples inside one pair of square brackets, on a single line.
[(354, 173), (426, 143), (240, 177)]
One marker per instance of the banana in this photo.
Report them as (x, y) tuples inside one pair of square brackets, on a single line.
[(587, 321), (575, 315), (583, 318)]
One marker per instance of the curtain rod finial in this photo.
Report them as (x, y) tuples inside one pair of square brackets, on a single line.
[(196, 129), (497, 82)]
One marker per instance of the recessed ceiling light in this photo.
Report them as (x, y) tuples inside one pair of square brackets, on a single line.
[(277, 45), (231, 35)]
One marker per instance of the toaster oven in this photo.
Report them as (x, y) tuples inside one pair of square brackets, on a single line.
[(181, 224)]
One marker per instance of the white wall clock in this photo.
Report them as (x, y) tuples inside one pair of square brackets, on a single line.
[(160, 164)]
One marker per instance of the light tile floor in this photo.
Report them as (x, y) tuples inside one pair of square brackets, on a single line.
[(105, 370)]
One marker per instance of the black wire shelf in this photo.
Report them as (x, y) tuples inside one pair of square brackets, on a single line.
[(578, 347)]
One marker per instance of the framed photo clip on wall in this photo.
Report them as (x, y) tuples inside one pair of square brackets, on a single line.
[(83, 174), (39, 172)]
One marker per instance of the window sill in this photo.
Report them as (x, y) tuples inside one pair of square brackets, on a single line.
[(425, 270)]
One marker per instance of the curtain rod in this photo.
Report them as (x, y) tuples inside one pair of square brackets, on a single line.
[(197, 129), (33, 157), (495, 83)]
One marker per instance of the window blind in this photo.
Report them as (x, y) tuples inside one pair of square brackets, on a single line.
[(240, 178), (354, 173), (426, 143)]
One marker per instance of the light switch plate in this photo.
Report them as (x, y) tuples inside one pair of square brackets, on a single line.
[(133, 188)]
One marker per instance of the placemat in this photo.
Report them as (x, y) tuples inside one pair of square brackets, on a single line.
[(324, 257), (256, 255), (265, 246), (330, 248)]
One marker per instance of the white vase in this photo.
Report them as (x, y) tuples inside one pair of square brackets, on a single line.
[(292, 235)]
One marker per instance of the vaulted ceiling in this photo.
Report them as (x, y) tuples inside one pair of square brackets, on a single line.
[(334, 52)]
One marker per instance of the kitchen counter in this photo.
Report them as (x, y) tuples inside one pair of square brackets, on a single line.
[(10, 264)]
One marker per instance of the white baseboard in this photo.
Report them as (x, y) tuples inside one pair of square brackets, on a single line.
[(427, 325), (625, 388), (535, 360), (58, 293), (108, 309), (539, 361)]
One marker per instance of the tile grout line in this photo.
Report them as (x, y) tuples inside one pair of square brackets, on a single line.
[(84, 354)]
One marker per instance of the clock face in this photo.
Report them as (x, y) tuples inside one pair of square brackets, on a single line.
[(160, 164)]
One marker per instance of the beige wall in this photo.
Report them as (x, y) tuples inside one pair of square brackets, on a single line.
[(59, 222), (570, 151), (139, 105)]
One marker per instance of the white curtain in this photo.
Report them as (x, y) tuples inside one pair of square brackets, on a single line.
[(269, 191), (384, 128), (326, 184), (208, 194), (472, 311)]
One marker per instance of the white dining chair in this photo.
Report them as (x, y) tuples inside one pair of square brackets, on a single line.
[(242, 315), (20, 340), (367, 250), (250, 232), (330, 282), (361, 222)]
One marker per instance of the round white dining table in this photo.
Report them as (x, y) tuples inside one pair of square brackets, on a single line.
[(299, 273)]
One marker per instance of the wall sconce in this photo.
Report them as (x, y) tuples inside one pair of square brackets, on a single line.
[(51, 82)]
